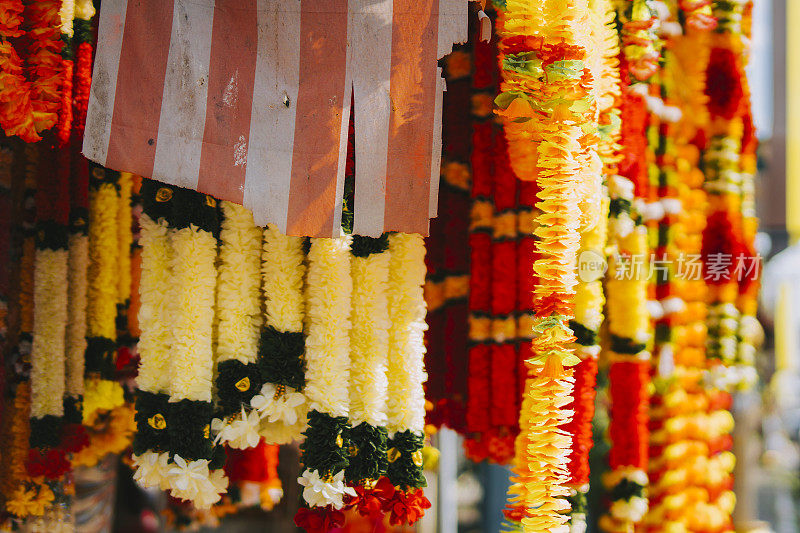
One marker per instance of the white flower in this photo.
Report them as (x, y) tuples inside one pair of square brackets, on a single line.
[(275, 406), (320, 493), (630, 510), (151, 469), (240, 433), (192, 481), (186, 477), (211, 489), (578, 523)]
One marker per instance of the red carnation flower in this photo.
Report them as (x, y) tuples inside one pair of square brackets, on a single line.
[(407, 507), (372, 502)]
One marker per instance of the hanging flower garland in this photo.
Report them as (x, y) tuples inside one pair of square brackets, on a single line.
[(478, 412), (503, 368), (66, 15), (42, 21), (84, 43), (151, 444), (124, 243), (48, 354), (677, 411), (406, 370), (325, 450), (447, 281), (280, 401), (16, 111), (589, 297), (78, 266), (195, 466), (238, 323), (369, 347), (548, 110), (102, 392), (627, 285)]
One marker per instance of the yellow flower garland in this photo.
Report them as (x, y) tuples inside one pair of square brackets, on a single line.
[(405, 363), (283, 271), (328, 292), (124, 238), (101, 308), (194, 278), (103, 251), (155, 312), (369, 339), (548, 109), (49, 328), (155, 340), (76, 313), (238, 309), (238, 298)]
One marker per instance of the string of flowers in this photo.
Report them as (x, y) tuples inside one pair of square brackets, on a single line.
[(78, 266), (48, 353), (78, 262), (505, 395), (447, 259), (16, 110), (101, 391), (124, 242), (325, 450), (589, 297), (239, 321), (281, 403), (44, 64), (677, 418), (628, 317), (18, 488), (151, 443), (195, 469), (369, 348), (405, 405), (730, 267), (66, 15), (546, 99), (482, 210)]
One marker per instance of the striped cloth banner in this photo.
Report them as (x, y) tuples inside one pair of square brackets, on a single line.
[(249, 101)]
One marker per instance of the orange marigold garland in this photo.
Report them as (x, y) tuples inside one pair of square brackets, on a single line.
[(16, 110), (43, 60)]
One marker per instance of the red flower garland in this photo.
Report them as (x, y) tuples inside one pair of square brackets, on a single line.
[(580, 427), (628, 382)]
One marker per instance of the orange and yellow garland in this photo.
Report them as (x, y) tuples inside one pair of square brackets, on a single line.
[(546, 104)]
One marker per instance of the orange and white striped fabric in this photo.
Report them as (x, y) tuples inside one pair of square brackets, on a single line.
[(249, 101)]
